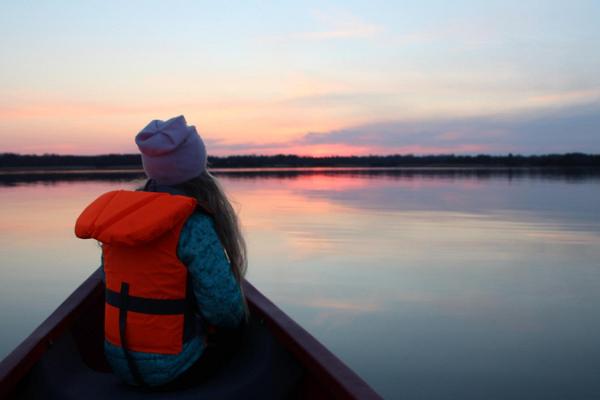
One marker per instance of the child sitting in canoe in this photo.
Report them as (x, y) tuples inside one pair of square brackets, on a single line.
[(173, 257)]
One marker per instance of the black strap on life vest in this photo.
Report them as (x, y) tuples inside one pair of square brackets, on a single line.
[(146, 305), (125, 303), (123, 308)]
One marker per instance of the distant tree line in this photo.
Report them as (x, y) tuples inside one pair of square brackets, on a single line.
[(12, 160)]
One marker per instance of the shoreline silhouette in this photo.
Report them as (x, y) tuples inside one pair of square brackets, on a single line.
[(12, 161)]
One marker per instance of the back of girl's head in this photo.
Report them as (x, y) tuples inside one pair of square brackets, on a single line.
[(174, 155)]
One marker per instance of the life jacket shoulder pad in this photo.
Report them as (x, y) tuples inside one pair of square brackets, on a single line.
[(131, 217)]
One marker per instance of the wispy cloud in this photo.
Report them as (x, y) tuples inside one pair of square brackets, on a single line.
[(572, 128), (545, 130), (341, 24), (572, 96), (334, 24)]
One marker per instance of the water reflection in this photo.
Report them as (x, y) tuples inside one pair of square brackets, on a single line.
[(444, 284)]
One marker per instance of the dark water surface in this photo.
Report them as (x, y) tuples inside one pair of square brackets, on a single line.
[(445, 284)]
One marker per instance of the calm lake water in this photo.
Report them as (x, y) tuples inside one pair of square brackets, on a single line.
[(453, 284)]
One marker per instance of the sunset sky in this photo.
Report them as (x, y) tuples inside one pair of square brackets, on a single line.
[(311, 78)]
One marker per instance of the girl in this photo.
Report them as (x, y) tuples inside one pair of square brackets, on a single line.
[(173, 257)]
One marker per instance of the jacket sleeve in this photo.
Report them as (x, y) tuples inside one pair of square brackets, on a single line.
[(215, 288)]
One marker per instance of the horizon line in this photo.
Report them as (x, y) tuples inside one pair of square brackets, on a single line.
[(509, 154)]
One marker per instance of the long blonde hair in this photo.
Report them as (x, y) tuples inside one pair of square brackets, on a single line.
[(207, 190)]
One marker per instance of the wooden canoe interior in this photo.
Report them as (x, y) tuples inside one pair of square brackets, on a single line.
[(81, 314)]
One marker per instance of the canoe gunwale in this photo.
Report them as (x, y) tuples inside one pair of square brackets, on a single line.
[(20, 361), (325, 366), (320, 363)]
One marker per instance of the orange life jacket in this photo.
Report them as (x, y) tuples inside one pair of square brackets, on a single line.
[(146, 283)]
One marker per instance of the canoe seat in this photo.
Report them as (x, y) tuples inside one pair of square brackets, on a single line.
[(262, 369)]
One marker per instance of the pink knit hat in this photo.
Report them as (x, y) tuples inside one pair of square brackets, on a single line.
[(172, 151)]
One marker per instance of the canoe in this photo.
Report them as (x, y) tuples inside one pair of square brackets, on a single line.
[(63, 358)]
